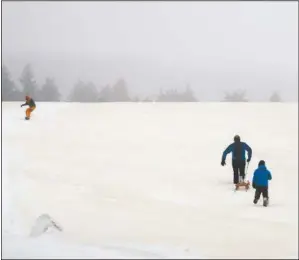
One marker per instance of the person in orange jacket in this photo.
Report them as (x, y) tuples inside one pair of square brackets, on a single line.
[(29, 102)]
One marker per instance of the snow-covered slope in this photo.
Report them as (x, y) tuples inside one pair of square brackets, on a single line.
[(145, 181)]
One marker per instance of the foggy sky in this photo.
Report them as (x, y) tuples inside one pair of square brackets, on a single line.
[(213, 46)]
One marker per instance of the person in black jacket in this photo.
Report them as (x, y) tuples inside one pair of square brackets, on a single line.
[(237, 148)]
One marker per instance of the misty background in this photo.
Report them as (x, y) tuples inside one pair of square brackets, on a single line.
[(151, 50)]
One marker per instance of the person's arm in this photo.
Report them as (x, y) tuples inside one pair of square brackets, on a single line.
[(25, 104), (249, 151), (253, 180), (228, 150), (269, 176)]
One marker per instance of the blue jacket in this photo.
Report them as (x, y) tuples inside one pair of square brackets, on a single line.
[(237, 154), (261, 176)]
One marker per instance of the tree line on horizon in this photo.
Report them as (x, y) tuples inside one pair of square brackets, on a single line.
[(88, 91)]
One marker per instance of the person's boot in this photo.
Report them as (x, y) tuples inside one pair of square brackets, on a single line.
[(27, 118), (236, 181), (255, 201), (241, 179), (265, 202)]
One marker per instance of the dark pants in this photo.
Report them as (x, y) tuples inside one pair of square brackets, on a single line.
[(239, 169), (261, 190)]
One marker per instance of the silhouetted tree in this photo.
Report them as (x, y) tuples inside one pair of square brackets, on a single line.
[(84, 92), (49, 91), (117, 93), (136, 99), (172, 95), (8, 87), (236, 96), (147, 99), (106, 94), (120, 91), (275, 97), (188, 95), (28, 82)]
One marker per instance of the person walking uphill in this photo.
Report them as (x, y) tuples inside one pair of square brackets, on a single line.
[(237, 148), (29, 102), (260, 180)]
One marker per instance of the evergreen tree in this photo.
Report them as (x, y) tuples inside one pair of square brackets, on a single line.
[(28, 82), (84, 92), (120, 91), (49, 91), (275, 97), (8, 87), (236, 96)]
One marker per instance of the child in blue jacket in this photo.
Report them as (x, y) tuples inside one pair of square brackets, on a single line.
[(260, 180)]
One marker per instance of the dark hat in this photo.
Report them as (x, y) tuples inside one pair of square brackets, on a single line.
[(237, 138), (261, 162)]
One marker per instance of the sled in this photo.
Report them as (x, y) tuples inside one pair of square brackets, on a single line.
[(245, 184)]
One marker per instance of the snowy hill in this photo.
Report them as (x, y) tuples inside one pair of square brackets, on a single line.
[(145, 180)]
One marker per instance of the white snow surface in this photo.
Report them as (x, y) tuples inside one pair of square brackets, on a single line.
[(144, 180)]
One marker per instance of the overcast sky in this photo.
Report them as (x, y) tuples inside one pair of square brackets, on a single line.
[(213, 46)]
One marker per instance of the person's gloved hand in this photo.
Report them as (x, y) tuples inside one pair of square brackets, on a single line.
[(248, 160), (223, 163), (253, 185)]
